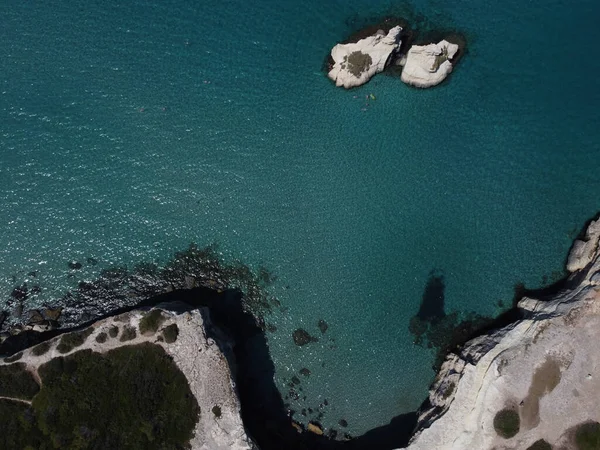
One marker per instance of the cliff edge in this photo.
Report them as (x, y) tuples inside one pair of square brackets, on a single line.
[(148, 378), (530, 385)]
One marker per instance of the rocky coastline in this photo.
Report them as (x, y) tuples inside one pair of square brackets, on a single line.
[(510, 387), (532, 383)]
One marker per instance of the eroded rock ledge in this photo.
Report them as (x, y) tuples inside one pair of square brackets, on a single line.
[(532, 384)]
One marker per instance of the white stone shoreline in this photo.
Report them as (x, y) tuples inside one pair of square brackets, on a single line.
[(545, 368)]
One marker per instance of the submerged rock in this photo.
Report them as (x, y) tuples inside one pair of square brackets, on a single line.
[(535, 379), (302, 337), (355, 63), (323, 326), (428, 65)]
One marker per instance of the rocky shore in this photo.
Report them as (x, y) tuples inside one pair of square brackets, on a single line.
[(529, 385), (532, 384)]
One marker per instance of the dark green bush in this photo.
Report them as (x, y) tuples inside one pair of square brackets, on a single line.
[(128, 333), (132, 397), (41, 349), (216, 411), (151, 321), (358, 62), (170, 333), (101, 338), (507, 423), (13, 358), (17, 382), (540, 445), (19, 427), (72, 340), (113, 331), (587, 436)]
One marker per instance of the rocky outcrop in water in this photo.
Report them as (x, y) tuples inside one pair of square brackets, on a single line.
[(178, 377), (355, 63), (428, 65), (532, 384)]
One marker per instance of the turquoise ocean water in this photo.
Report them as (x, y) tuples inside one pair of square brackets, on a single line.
[(128, 131)]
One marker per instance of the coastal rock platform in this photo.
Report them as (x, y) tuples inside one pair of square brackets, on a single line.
[(355, 63), (428, 65), (532, 384)]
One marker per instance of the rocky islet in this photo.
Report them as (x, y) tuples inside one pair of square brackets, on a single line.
[(353, 64)]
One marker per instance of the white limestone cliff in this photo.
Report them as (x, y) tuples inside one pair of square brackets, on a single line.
[(355, 63), (205, 364), (545, 368), (428, 65)]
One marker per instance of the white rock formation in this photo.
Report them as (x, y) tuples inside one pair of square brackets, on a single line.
[(546, 368), (199, 358), (428, 65), (355, 63)]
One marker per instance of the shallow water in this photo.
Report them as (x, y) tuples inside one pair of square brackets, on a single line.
[(130, 131)]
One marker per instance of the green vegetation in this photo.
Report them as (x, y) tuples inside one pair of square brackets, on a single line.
[(13, 358), (128, 333), (132, 397), (540, 445), (101, 338), (19, 427), (358, 62), (72, 340), (151, 321), (507, 423), (216, 411), (17, 382), (587, 436), (41, 349), (170, 333), (113, 331)]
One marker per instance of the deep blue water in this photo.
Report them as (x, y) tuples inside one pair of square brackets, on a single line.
[(129, 131)]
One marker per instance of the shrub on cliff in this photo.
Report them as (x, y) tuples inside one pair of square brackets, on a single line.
[(587, 436), (358, 62), (72, 340), (151, 321), (507, 423), (17, 382), (131, 397)]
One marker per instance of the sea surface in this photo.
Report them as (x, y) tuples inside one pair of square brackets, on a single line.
[(130, 129)]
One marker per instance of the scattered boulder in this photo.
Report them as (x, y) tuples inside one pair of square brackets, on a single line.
[(302, 337), (583, 251), (355, 63), (304, 371), (20, 293), (428, 65), (316, 428), (52, 313), (34, 317)]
